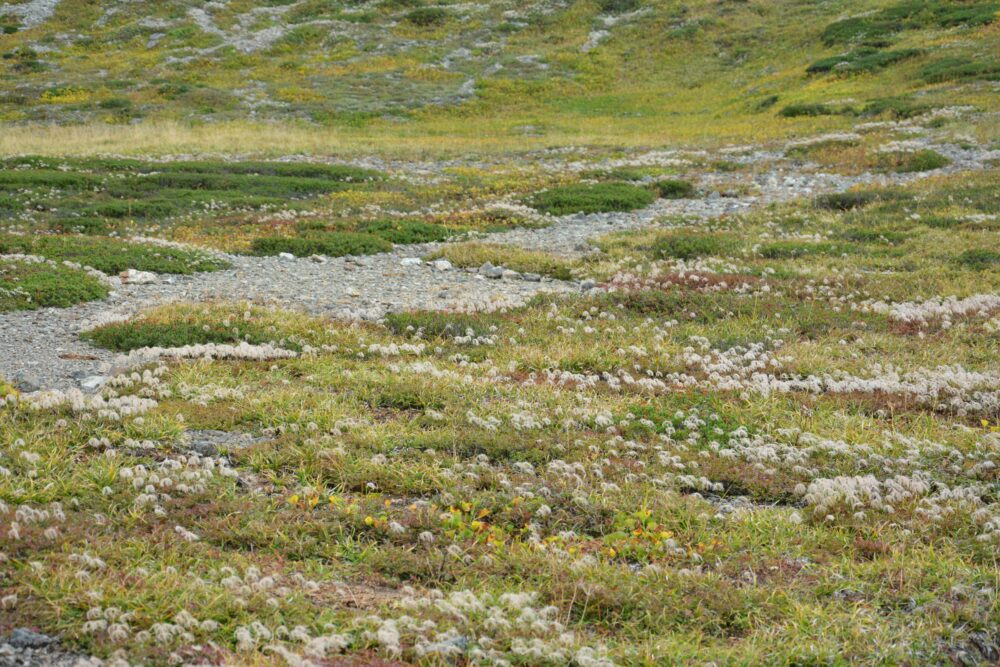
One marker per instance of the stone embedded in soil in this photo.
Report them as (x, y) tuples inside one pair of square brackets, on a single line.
[(209, 442)]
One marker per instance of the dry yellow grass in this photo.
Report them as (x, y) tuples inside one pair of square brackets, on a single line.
[(430, 138)]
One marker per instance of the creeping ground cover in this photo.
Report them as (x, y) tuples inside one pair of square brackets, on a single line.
[(771, 438)]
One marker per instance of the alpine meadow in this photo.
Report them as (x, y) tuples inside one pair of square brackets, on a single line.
[(548, 333)]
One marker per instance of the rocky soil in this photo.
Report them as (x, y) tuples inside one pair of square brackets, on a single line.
[(41, 349)]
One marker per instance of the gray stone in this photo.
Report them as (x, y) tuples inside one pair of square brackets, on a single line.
[(210, 442), (92, 382), (26, 382), (27, 638), (487, 270), (532, 277)]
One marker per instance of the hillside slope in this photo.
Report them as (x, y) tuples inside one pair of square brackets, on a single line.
[(649, 69)]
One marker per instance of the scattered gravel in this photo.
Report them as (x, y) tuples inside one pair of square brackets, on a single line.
[(26, 648), (41, 349)]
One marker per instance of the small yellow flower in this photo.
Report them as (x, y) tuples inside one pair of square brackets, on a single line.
[(314, 501), (985, 423), (333, 500), (369, 520), (294, 499)]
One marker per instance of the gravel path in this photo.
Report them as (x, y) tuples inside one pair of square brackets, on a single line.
[(41, 349)]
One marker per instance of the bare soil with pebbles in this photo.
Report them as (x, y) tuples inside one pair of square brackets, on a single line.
[(41, 349)]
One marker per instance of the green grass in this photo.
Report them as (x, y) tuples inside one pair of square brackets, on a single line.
[(591, 198), (475, 254), (28, 286), (111, 256), (795, 249), (626, 463), (680, 245)]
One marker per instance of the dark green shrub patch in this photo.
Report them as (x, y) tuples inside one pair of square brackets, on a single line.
[(407, 231), (427, 16), (808, 109), (27, 286), (865, 59), (887, 236), (592, 198), (910, 15), (10, 205), (109, 255), (905, 163), (681, 245), (127, 336), (980, 259), (845, 201), (960, 69), (674, 189), (896, 107), (618, 6), (330, 244)]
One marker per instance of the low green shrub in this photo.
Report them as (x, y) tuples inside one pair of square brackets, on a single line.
[(906, 163), (865, 59), (110, 255), (845, 201), (330, 244), (682, 245), (979, 259), (674, 189), (959, 69), (10, 205), (889, 236), (592, 198), (910, 15), (427, 16), (407, 231), (618, 6), (896, 107), (127, 336), (807, 109), (28, 286)]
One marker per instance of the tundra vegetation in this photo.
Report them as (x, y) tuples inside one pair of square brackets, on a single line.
[(740, 435)]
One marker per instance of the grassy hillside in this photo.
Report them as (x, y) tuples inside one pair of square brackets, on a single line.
[(386, 73)]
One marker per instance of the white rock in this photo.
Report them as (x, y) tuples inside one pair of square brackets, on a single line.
[(137, 277), (442, 265), (287, 256), (411, 261), (93, 382)]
